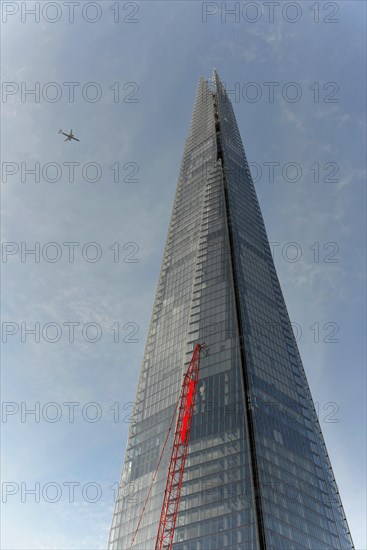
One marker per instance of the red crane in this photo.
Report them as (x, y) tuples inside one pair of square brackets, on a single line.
[(176, 468), (186, 402)]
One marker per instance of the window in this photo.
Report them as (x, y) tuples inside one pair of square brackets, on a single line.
[(278, 437)]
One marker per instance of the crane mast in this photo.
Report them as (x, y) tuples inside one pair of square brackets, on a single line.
[(176, 468), (185, 405)]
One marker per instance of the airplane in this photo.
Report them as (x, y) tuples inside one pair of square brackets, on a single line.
[(69, 137)]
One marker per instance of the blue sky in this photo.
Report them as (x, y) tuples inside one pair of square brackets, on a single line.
[(163, 54)]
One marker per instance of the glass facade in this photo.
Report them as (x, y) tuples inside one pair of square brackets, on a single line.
[(257, 473)]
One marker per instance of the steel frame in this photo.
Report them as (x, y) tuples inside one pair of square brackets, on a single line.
[(172, 493)]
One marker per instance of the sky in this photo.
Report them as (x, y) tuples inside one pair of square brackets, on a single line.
[(123, 76)]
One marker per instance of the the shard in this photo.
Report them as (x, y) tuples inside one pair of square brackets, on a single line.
[(257, 474)]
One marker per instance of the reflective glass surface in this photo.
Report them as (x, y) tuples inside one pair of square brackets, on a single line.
[(257, 472)]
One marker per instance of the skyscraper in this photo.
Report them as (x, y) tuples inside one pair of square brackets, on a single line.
[(257, 474)]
